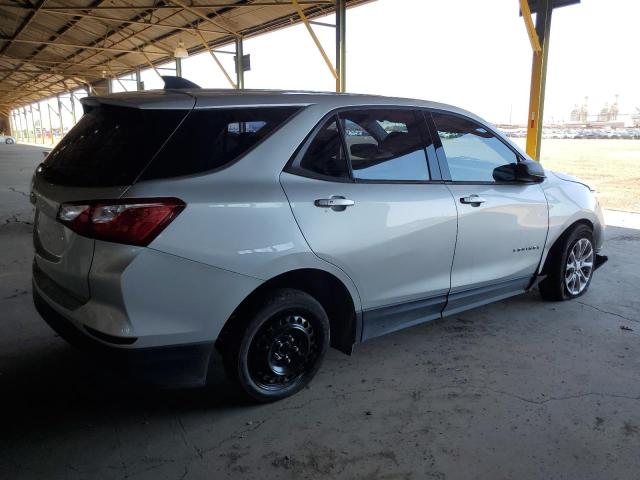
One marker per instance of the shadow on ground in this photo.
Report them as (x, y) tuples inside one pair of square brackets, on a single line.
[(519, 389)]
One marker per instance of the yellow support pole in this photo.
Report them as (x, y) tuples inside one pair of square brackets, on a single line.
[(538, 72), (215, 59), (533, 149), (531, 29), (315, 39)]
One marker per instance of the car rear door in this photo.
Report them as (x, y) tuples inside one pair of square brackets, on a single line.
[(364, 195), (502, 224)]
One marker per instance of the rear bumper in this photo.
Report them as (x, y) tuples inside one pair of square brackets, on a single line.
[(171, 366)]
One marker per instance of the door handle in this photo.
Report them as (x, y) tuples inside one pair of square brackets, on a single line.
[(473, 200), (336, 203)]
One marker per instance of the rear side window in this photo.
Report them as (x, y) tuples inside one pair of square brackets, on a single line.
[(109, 146), (210, 139), (325, 155), (385, 144)]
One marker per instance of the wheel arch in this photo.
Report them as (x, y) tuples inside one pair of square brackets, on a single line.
[(556, 247), (326, 288)]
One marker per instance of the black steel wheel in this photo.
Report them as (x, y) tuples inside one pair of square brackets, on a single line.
[(280, 347)]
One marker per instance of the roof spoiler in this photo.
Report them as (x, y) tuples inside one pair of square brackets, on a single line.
[(173, 83)]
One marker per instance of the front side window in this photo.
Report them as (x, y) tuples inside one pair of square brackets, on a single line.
[(473, 153), (385, 144), (325, 154)]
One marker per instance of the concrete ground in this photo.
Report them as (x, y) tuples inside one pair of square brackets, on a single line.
[(522, 389)]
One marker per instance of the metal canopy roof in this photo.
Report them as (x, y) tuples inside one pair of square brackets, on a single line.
[(51, 46)]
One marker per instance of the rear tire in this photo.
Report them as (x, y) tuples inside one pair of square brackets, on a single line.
[(277, 347), (8, 141), (570, 267)]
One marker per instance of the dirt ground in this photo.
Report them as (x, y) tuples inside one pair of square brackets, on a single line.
[(521, 389), (611, 167)]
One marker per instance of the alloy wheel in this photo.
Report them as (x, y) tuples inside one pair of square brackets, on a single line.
[(579, 266)]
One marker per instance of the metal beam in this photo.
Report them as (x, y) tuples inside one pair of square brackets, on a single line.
[(305, 20), (120, 21), (26, 124), (25, 23), (41, 124), (217, 23), (538, 79), (20, 115), (60, 113), (12, 123), (50, 122), (68, 26), (311, 9), (33, 124), (239, 63), (85, 47), (215, 59), (528, 23), (18, 125), (139, 84), (170, 7), (49, 62), (341, 46)]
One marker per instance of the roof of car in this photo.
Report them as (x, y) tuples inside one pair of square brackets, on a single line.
[(212, 98)]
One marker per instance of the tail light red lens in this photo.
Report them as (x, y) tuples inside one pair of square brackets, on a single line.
[(134, 221)]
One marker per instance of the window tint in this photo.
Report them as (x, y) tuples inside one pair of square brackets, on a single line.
[(385, 144), (210, 139), (325, 154), (473, 153), (109, 146)]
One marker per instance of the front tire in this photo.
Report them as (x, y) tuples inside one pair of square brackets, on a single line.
[(8, 141), (279, 347), (571, 267)]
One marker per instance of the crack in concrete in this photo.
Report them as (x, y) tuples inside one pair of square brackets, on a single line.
[(557, 399), (184, 474), (234, 435), (607, 312), (14, 219), (119, 444), (16, 295), (183, 434), (20, 192)]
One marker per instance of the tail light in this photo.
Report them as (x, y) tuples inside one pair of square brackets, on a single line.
[(134, 221)]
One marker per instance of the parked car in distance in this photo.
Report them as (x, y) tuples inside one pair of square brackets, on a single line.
[(8, 139), (258, 228)]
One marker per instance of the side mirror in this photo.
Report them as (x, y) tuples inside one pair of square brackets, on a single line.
[(530, 171), (525, 171)]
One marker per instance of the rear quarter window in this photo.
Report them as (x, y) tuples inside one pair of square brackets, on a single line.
[(210, 139)]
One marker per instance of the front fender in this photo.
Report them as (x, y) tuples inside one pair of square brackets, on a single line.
[(570, 202)]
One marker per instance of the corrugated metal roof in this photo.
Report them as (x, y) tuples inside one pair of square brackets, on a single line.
[(52, 46)]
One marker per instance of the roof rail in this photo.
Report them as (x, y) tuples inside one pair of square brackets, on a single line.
[(171, 82)]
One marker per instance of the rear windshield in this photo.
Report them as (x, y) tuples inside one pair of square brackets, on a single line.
[(210, 139), (109, 146)]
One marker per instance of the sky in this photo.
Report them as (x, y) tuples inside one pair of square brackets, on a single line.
[(469, 53)]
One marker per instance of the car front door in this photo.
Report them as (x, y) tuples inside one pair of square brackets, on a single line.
[(362, 193), (502, 223)]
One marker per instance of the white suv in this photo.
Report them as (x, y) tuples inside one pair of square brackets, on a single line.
[(266, 226)]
